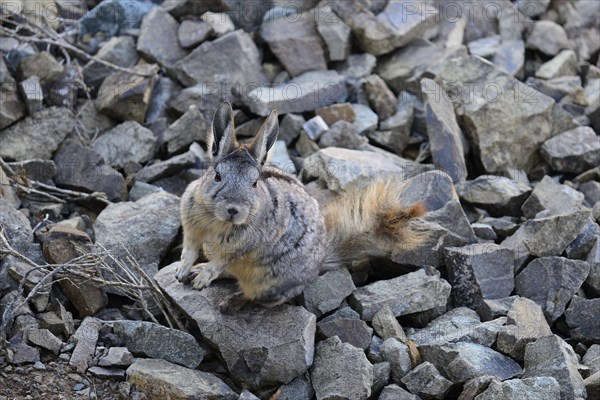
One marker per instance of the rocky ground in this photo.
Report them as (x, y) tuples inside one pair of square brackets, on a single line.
[(490, 111)]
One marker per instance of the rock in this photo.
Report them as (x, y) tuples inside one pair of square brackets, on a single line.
[(479, 271), (300, 49), (366, 120), (462, 361), (116, 357), (45, 339), (314, 127), (246, 395), (592, 385), (551, 282), (498, 195), (386, 325), (525, 323), (380, 96), (592, 283), (510, 57), (357, 66), (581, 317), (395, 131), (475, 386), (211, 63), (144, 229), (537, 232), (152, 340), (339, 168), (458, 325), (85, 339), (414, 292), (190, 127), (158, 39), (46, 129), (82, 169), (107, 373), (220, 23), (426, 382), (485, 47), (484, 231), (591, 191), (128, 141), (166, 168), (336, 112), (348, 330), (503, 226), (260, 346), (31, 91), (563, 64), (591, 358), (327, 291), (543, 387), (573, 151), (342, 134), (306, 92), (492, 309), (126, 97), (21, 353), (298, 389), (547, 37), (161, 379), (192, 33), (279, 157), (445, 137), (341, 371), (17, 229), (395, 392), (119, 50), (11, 108), (551, 356), (43, 65), (551, 198), (504, 132), (335, 33)]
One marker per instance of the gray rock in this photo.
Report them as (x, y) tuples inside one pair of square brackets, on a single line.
[(563, 64), (45, 339), (492, 309), (463, 361), (192, 33), (21, 353), (357, 66), (381, 98), (327, 291), (532, 8), (559, 88), (166, 168), (85, 339), (342, 134), (386, 325), (32, 93), (381, 376), (119, 50), (158, 378), (539, 388), (341, 371), (298, 389), (290, 127), (592, 385), (394, 133), (551, 198), (156, 341), (551, 282), (158, 39), (400, 358), (510, 57), (504, 132), (221, 23), (116, 357), (17, 229), (496, 194), (126, 97), (80, 168), (479, 271), (246, 395), (584, 242), (414, 292), (551, 356), (210, 63), (592, 283), (43, 65), (547, 37), (279, 157), (190, 127), (144, 229), (485, 47), (336, 112), (484, 231), (37, 136), (349, 330), (128, 141), (314, 127), (591, 191), (335, 33), (366, 120), (503, 226), (395, 392), (581, 317), (260, 346), (573, 151), (374, 351), (591, 358), (426, 382), (525, 323), (445, 137), (11, 107), (306, 92)]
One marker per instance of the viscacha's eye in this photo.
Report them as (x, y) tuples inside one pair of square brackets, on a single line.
[(255, 184), (217, 177)]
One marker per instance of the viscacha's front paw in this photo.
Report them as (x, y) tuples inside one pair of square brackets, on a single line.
[(183, 274), (203, 276), (233, 303)]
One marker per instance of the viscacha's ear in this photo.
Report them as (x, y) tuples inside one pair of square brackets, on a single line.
[(265, 138), (223, 139)]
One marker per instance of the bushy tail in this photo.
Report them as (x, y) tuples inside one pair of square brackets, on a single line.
[(370, 221)]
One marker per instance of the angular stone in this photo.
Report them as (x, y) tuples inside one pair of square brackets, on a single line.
[(591, 191), (485, 47), (299, 49), (85, 339), (17, 229), (190, 127), (563, 64), (128, 141), (126, 97), (386, 325), (327, 291), (510, 57), (221, 23), (314, 127), (107, 373), (551, 356), (366, 120), (335, 33), (550, 236), (143, 229), (584, 242), (592, 385), (463, 361), (192, 33), (306, 92), (573, 151), (80, 168), (298, 389), (348, 330), (479, 271), (525, 323), (539, 388), (166, 168), (395, 392), (591, 358), (582, 319), (551, 198), (445, 137), (407, 294), (37, 136), (45, 339), (425, 381), (156, 341), (498, 195), (342, 134), (551, 282), (547, 37), (211, 62), (43, 65), (279, 157), (116, 357), (21, 353), (260, 346), (161, 379), (11, 106), (484, 231), (380, 96), (592, 283), (119, 50), (336, 112), (158, 39), (357, 66), (33, 94), (476, 386)]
